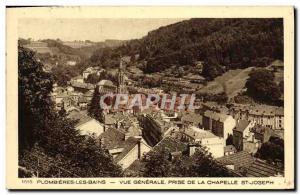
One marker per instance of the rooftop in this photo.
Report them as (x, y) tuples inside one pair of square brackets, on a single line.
[(128, 145), (112, 138), (197, 133), (239, 159), (79, 117), (215, 115), (242, 125), (105, 83), (171, 145), (192, 118)]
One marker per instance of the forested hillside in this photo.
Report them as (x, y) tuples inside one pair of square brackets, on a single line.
[(220, 43)]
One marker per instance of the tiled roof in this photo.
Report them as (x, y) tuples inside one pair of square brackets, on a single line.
[(242, 125), (79, 117), (216, 116), (261, 168), (82, 85), (112, 138), (105, 83), (109, 120), (239, 159), (192, 118), (128, 145), (171, 145), (260, 109), (197, 133)]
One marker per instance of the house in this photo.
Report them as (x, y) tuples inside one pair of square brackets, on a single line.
[(106, 86), (109, 121), (71, 63), (89, 95), (268, 116), (81, 87), (220, 124), (86, 125), (154, 128), (277, 66), (249, 166), (262, 133), (82, 103), (229, 149), (211, 142), (192, 119), (134, 148), (125, 150), (78, 79), (241, 133)]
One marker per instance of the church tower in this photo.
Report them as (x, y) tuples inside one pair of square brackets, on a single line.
[(121, 79)]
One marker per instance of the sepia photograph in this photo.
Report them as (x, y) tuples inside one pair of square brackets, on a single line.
[(142, 98)]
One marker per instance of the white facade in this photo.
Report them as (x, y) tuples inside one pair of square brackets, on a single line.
[(91, 127), (229, 125), (134, 154)]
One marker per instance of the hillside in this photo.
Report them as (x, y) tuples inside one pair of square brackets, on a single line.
[(221, 44), (232, 82)]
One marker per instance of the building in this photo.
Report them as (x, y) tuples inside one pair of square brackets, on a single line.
[(262, 133), (78, 79), (133, 149), (241, 133), (268, 116), (212, 143), (154, 129), (88, 95), (192, 119), (106, 86), (77, 44), (220, 124), (121, 89), (86, 125), (229, 149), (125, 150), (39, 47), (277, 66), (81, 87), (82, 103), (249, 166), (71, 63)]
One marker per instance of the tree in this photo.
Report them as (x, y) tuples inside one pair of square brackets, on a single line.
[(261, 86), (205, 166), (272, 151), (159, 163), (45, 133), (95, 109), (34, 102), (210, 71), (156, 164), (93, 78)]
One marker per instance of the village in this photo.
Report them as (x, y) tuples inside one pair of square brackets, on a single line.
[(231, 134)]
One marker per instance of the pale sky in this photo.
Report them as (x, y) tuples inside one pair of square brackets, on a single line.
[(89, 29)]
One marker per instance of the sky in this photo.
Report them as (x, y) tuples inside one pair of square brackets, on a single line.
[(89, 29)]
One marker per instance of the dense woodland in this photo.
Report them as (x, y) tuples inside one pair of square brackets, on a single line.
[(220, 43)]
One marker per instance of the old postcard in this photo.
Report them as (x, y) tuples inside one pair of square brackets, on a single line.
[(176, 98)]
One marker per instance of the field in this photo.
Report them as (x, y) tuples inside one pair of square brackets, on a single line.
[(231, 82)]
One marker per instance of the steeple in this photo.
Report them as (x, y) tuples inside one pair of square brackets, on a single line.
[(121, 80)]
